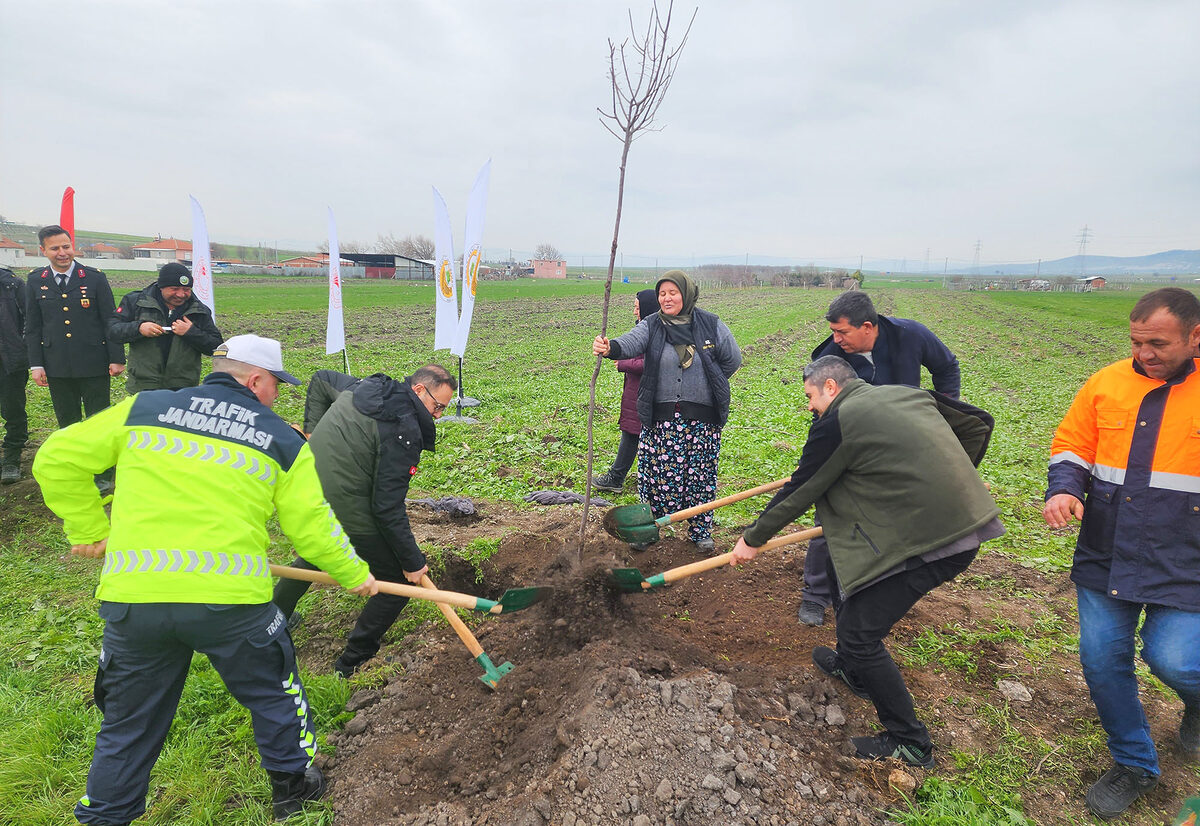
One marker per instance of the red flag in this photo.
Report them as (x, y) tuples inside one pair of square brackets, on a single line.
[(66, 217)]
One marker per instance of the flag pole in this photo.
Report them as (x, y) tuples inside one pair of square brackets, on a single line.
[(346, 361), (461, 402)]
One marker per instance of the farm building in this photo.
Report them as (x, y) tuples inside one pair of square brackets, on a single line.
[(1093, 282), (101, 250), (11, 253), (549, 269), (321, 260), (388, 265), (168, 249)]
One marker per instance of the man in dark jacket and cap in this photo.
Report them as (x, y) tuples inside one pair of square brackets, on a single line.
[(14, 375), (168, 329), (367, 438)]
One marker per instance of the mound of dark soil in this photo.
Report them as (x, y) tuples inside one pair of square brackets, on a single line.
[(693, 704)]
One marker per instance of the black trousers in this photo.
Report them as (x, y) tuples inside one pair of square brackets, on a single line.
[(626, 456), (144, 662), (12, 410), (866, 617), (68, 395), (818, 582), (378, 615)]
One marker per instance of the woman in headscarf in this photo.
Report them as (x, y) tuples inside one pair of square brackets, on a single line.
[(683, 400), (630, 423)]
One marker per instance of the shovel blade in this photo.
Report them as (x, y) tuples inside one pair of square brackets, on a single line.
[(492, 673), (631, 523), (517, 599), (629, 580)]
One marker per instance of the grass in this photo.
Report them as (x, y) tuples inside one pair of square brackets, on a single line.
[(528, 360), (945, 803)]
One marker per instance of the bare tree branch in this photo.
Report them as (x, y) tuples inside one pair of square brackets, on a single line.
[(640, 70)]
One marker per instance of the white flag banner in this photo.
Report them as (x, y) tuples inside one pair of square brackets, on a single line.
[(335, 330), (446, 319), (472, 251), (201, 259)]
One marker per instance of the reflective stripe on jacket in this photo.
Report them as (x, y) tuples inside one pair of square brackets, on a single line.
[(1129, 448), (199, 473)]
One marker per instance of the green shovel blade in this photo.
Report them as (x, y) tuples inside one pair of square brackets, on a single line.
[(629, 580), (492, 673), (517, 599), (631, 523)]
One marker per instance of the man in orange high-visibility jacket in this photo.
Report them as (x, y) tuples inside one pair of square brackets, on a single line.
[(1126, 461)]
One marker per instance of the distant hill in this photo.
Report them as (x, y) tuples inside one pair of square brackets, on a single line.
[(1171, 262)]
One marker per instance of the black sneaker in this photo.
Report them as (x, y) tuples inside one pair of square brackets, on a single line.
[(705, 545), (828, 661), (10, 474), (606, 481), (1116, 790), (883, 746), (291, 790), (811, 613), (1189, 732)]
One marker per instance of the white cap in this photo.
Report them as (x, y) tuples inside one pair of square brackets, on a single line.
[(258, 351)]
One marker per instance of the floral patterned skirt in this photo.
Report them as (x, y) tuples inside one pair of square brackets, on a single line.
[(677, 468)]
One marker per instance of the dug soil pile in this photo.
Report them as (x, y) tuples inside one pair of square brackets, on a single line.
[(693, 704)]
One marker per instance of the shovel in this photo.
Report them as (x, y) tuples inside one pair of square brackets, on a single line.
[(630, 580), (635, 523), (514, 599), (491, 674)]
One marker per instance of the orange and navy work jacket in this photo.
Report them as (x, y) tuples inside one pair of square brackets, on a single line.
[(1131, 444)]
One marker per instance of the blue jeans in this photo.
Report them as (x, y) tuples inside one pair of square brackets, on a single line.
[(1170, 646)]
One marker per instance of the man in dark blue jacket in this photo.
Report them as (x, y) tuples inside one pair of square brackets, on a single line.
[(881, 350)]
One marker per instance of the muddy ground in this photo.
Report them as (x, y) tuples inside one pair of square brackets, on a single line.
[(697, 703)]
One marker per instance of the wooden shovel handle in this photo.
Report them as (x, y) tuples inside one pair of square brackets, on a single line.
[(460, 627), (688, 513), (411, 591), (692, 568)]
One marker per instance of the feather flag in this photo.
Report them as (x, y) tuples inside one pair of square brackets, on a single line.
[(66, 214), (335, 329), (201, 259), (472, 251), (445, 330)]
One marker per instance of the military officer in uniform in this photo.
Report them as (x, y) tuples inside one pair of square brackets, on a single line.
[(68, 307)]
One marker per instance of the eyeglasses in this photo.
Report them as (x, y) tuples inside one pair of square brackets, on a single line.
[(438, 407)]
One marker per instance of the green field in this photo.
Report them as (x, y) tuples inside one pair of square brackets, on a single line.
[(1023, 357)]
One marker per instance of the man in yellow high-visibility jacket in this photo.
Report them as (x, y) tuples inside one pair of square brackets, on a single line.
[(218, 462)]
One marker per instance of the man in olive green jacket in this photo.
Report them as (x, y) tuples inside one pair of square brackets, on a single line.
[(891, 470), (367, 440), (167, 329)]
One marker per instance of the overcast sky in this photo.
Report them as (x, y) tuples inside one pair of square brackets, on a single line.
[(800, 130)]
